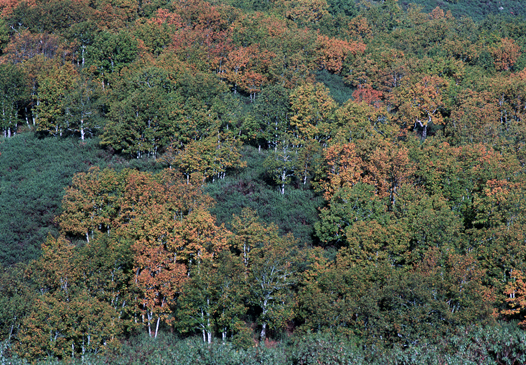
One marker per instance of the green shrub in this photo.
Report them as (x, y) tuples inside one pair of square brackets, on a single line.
[(296, 211)]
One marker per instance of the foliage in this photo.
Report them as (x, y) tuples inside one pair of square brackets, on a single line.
[(366, 159), (35, 173), (294, 212)]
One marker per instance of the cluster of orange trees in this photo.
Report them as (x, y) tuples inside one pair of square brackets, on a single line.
[(408, 123)]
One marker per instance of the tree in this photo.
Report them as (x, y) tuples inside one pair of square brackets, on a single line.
[(25, 45), (516, 295), (213, 298), (506, 54), (107, 201), (421, 104), (196, 304), (13, 94), (246, 68), (110, 52), (210, 157), (344, 168), (53, 88), (77, 309), (281, 162), (230, 293), (273, 267), (271, 111), (63, 328), (311, 112), (139, 116), (333, 53), (271, 264), (306, 12), (363, 124), (158, 278), (16, 300), (474, 119), (82, 108)]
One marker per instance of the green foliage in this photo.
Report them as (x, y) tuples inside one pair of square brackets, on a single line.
[(500, 344), (48, 16), (13, 94), (111, 52), (347, 8), (476, 9), (138, 121), (339, 90), (271, 113), (326, 348), (4, 34), (420, 161), (34, 174), (213, 299), (294, 212), (16, 300), (65, 328)]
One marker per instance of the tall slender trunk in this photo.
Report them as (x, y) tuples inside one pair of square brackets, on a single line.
[(157, 327), (208, 326), (263, 331), (204, 329), (149, 324)]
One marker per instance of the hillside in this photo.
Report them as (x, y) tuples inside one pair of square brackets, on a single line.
[(262, 179)]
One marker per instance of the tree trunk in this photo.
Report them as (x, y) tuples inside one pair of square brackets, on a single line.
[(157, 327), (203, 325), (263, 331), (149, 326), (208, 331)]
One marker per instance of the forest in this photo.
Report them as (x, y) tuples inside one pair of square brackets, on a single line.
[(263, 182)]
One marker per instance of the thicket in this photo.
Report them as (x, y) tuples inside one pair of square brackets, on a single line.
[(484, 345), (294, 181), (35, 172)]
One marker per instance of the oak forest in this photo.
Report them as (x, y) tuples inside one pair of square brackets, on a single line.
[(263, 182)]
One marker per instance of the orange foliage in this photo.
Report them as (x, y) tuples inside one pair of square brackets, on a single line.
[(344, 168), (312, 111), (367, 94), (204, 36), (25, 45), (137, 205), (7, 6), (159, 278), (333, 52), (164, 16), (516, 292), (247, 68), (386, 169), (421, 103), (359, 28), (506, 54)]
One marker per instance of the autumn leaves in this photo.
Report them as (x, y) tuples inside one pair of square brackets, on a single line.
[(152, 256)]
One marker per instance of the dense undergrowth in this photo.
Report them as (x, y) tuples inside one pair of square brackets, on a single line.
[(468, 346), (35, 172), (294, 212)]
